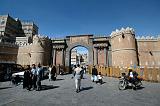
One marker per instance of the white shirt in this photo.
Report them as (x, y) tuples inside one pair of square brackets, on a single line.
[(34, 72), (131, 74), (77, 72), (50, 69), (38, 70), (99, 76)]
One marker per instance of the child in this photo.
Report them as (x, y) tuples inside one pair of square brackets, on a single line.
[(100, 78)]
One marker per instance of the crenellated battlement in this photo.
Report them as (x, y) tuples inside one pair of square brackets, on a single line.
[(122, 31), (38, 39), (149, 38)]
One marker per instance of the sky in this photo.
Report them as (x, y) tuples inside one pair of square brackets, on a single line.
[(60, 18), (81, 50)]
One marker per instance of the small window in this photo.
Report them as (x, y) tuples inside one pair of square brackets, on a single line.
[(150, 53), (2, 22), (123, 36)]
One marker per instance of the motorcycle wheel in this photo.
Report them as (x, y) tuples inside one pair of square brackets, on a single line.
[(134, 87), (122, 85)]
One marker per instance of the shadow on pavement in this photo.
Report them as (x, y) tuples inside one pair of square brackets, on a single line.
[(84, 78), (4, 80), (86, 88), (47, 87), (59, 79), (103, 82), (5, 88), (139, 88)]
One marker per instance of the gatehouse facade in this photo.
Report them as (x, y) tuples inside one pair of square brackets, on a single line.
[(121, 48), (98, 48)]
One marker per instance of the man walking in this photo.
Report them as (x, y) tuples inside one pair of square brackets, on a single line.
[(34, 76), (53, 73), (39, 75), (27, 81), (77, 76), (94, 74)]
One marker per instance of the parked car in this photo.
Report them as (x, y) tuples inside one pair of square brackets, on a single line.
[(7, 69), (44, 73), (20, 74)]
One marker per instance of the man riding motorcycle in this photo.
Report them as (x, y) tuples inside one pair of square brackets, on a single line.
[(130, 80), (132, 75)]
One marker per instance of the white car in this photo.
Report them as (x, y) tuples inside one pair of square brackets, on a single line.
[(17, 78), (20, 74)]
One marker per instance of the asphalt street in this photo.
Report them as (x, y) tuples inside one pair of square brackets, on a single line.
[(62, 93)]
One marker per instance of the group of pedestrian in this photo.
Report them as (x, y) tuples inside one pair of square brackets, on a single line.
[(32, 77)]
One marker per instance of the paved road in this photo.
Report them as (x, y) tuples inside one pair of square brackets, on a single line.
[(62, 93)]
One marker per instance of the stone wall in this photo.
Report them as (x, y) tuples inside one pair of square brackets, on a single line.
[(125, 50), (149, 51), (8, 52), (59, 57), (24, 55), (101, 56)]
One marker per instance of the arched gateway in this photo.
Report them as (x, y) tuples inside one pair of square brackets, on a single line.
[(98, 49)]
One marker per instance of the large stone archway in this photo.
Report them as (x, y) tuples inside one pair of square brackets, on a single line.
[(98, 49)]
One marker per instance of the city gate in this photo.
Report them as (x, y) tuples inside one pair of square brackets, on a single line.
[(99, 52)]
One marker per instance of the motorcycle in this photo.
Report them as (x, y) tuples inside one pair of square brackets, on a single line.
[(125, 82)]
